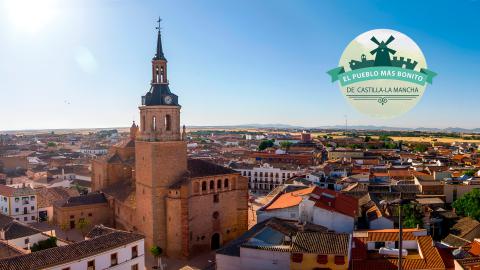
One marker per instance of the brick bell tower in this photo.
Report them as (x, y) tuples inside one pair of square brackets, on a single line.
[(160, 152)]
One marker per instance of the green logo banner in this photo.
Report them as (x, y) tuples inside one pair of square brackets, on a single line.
[(377, 73)]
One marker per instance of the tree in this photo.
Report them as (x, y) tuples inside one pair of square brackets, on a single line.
[(420, 148), (51, 144), (367, 138), (411, 215), (286, 145), (265, 144), (156, 251), (468, 204), (384, 138), (82, 224), (469, 172), (44, 244)]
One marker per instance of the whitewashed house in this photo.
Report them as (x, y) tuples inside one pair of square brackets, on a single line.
[(333, 210), (105, 248), (19, 203)]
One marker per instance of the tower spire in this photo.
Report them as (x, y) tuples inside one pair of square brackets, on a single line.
[(159, 54)]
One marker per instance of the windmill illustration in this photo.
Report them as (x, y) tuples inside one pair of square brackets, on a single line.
[(382, 52)]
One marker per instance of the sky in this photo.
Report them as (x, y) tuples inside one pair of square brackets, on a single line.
[(86, 63)]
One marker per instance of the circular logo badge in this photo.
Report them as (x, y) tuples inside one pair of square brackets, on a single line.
[(382, 73)]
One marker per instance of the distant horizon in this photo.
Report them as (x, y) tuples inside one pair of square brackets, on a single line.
[(278, 126), (74, 64)]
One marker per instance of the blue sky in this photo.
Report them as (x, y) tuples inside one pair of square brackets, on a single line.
[(85, 63)]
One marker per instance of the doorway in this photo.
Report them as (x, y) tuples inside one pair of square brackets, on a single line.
[(215, 242)]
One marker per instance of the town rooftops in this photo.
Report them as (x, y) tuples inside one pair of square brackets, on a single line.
[(335, 201), (321, 243), (13, 192), (47, 196), (90, 198), (7, 250), (12, 229), (273, 234), (288, 199), (463, 232), (69, 253), (201, 168), (99, 230), (428, 256)]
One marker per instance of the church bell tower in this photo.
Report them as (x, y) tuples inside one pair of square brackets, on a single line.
[(160, 152)]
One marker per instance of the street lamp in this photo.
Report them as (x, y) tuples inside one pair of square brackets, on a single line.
[(399, 202)]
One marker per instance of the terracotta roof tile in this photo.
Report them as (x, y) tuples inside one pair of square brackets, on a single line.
[(430, 257), (289, 199), (69, 253), (322, 243), (335, 201)]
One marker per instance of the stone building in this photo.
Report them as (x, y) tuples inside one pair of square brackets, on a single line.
[(182, 205), (88, 209)]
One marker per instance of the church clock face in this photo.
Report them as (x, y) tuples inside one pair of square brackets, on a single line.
[(168, 99)]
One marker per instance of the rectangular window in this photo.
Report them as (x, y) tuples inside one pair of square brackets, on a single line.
[(297, 257), (91, 265), (32, 207), (134, 252), (27, 241), (339, 260), (113, 259), (322, 259), (216, 198), (16, 210), (379, 245), (135, 267), (33, 217)]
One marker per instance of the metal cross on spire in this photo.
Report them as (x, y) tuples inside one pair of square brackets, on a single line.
[(159, 26)]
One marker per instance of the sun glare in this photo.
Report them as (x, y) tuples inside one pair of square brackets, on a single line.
[(31, 15)]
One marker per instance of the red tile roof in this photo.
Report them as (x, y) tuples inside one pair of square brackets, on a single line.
[(6, 191), (335, 201), (289, 199), (475, 248), (429, 259)]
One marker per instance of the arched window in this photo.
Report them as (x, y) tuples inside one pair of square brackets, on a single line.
[(195, 187), (157, 76), (161, 74), (219, 183), (225, 184), (212, 185), (154, 123), (204, 186), (168, 122)]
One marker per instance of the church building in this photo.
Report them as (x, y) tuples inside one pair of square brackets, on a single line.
[(183, 205)]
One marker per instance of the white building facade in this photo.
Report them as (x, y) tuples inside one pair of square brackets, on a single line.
[(19, 203), (266, 177)]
